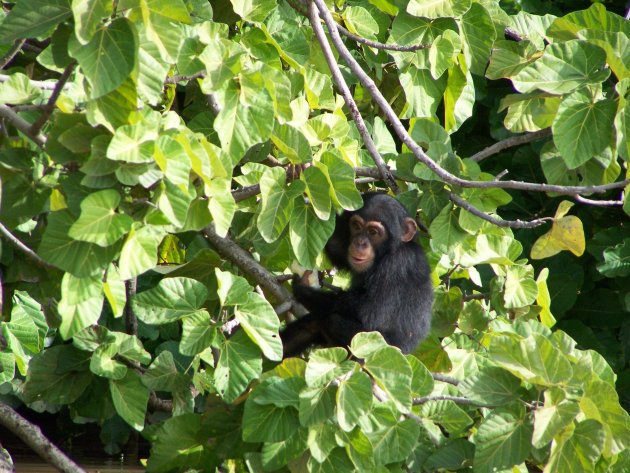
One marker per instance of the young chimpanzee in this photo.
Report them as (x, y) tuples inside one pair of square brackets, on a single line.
[(390, 292)]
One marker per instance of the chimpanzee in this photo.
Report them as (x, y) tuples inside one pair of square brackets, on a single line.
[(390, 292)]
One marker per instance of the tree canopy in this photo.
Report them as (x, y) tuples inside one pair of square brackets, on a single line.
[(165, 166)]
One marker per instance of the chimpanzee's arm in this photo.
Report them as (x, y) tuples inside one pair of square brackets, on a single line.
[(315, 300), (299, 335), (340, 329)]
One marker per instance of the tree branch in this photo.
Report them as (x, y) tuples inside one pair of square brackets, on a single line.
[(52, 101), (229, 250), (8, 57), (23, 248), (417, 150), (131, 322), (509, 143), (598, 203), (445, 379), (347, 95), (22, 125), (32, 436), (457, 399), (36, 83), (467, 206)]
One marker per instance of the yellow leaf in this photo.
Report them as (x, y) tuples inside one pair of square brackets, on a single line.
[(544, 299), (57, 200), (566, 233)]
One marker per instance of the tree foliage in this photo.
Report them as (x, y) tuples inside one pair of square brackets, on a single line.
[(164, 166)]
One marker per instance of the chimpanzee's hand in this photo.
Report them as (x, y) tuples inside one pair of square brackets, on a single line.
[(301, 280)]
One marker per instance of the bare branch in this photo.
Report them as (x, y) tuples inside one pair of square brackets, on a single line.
[(445, 379), (182, 78), (245, 192), (598, 203), (8, 57), (457, 399), (32, 436), (378, 45), (510, 142), (347, 95), (23, 248), (417, 150), (35, 83), (467, 206), (22, 125), (52, 101)]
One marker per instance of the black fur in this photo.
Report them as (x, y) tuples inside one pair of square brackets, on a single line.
[(394, 296)]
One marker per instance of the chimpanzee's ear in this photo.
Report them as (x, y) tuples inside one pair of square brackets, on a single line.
[(410, 228)]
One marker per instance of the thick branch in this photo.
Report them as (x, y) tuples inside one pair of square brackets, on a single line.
[(509, 143), (23, 248), (32, 436), (347, 95), (417, 150), (457, 399), (229, 250), (445, 379), (131, 322), (22, 125)]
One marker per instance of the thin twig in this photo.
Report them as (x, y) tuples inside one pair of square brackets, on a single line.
[(509, 143), (52, 101), (378, 45), (23, 248), (417, 150), (347, 95), (598, 203), (8, 57), (22, 125), (499, 222)]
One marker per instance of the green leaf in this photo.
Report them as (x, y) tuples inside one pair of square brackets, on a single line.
[(261, 324), (359, 21), (354, 399), (422, 91), (18, 89), (563, 68), (308, 234), (254, 11), (343, 190), (317, 404), (197, 333), (422, 380), (446, 232), (392, 373), (583, 127), (327, 364), (278, 454), (139, 252), (318, 191), (438, 8), (99, 223), (394, 441), (88, 15), (80, 305), (291, 142), (79, 258), (114, 290), (553, 418), (281, 392), (163, 375), (276, 205), (502, 441), (459, 97), (267, 422), (171, 300), (580, 450), (33, 18), (239, 363), (520, 287), (454, 455), (232, 290), (58, 375), (103, 363), (366, 343), (130, 398), (109, 57), (491, 385), (533, 359), (133, 143), (616, 260)]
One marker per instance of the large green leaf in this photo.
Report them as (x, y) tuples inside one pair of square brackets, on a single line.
[(171, 300), (583, 127), (354, 399), (276, 204), (88, 15), (563, 68), (261, 324), (139, 252), (239, 363), (479, 34), (490, 385), (99, 222), (438, 8), (109, 57), (79, 258), (502, 441), (80, 305), (308, 234), (130, 399), (578, 451), (392, 373), (33, 18)]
